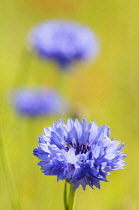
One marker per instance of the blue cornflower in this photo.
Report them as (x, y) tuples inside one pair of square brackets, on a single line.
[(37, 101), (79, 153), (64, 42)]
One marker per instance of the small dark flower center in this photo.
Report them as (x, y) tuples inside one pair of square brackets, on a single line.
[(79, 148)]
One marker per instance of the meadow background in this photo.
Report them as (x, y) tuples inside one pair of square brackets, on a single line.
[(107, 91)]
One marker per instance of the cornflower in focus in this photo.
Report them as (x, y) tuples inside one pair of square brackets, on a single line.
[(37, 101), (79, 153), (63, 42)]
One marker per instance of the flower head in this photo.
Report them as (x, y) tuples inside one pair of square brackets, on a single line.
[(37, 101), (79, 153), (63, 42)]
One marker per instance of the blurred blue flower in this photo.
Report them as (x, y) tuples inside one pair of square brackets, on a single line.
[(79, 153), (64, 42), (37, 101)]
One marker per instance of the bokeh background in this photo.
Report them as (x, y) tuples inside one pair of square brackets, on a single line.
[(105, 91)]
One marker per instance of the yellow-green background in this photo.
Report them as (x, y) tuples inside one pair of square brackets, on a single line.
[(106, 91)]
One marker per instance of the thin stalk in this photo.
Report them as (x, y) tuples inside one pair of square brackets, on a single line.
[(61, 80), (11, 186), (65, 196), (22, 73), (71, 198)]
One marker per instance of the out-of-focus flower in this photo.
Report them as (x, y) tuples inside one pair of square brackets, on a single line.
[(79, 153), (37, 101), (64, 42)]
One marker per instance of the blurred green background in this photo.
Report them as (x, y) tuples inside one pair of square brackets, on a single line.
[(106, 92)]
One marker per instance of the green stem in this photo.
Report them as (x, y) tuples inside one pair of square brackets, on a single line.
[(65, 196), (9, 176), (61, 80), (71, 198), (22, 73)]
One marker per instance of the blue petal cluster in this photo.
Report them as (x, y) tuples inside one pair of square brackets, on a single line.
[(79, 153), (63, 42), (37, 101)]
